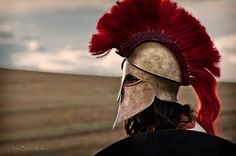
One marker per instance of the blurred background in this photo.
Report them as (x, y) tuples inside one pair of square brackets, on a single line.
[(56, 99)]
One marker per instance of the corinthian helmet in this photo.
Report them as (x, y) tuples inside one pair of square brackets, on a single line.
[(164, 47)]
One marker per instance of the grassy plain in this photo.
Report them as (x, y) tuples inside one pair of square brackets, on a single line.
[(65, 115)]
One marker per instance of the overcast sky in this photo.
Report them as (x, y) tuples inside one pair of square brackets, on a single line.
[(53, 35)]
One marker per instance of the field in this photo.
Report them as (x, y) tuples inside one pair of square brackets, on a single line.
[(64, 115)]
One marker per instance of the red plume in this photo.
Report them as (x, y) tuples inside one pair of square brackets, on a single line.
[(130, 17)]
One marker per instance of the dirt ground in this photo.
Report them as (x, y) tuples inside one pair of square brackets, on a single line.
[(61, 114)]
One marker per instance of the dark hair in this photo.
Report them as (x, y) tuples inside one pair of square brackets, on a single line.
[(160, 115)]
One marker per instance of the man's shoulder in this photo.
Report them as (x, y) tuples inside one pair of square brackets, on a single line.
[(171, 143)]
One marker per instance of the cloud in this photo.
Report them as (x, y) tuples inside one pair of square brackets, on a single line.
[(6, 34), (6, 37), (5, 27), (76, 60), (66, 60), (26, 6), (216, 15), (227, 47), (227, 41), (32, 45), (79, 61), (36, 34)]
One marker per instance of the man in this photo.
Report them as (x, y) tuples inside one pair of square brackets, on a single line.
[(164, 47)]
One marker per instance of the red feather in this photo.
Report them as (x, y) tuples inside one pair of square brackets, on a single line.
[(129, 17)]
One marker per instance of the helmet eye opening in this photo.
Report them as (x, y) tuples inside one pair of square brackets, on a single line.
[(131, 80)]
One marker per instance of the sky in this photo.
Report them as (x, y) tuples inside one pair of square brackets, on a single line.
[(53, 35)]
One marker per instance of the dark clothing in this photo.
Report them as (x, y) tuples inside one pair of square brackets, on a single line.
[(171, 143)]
